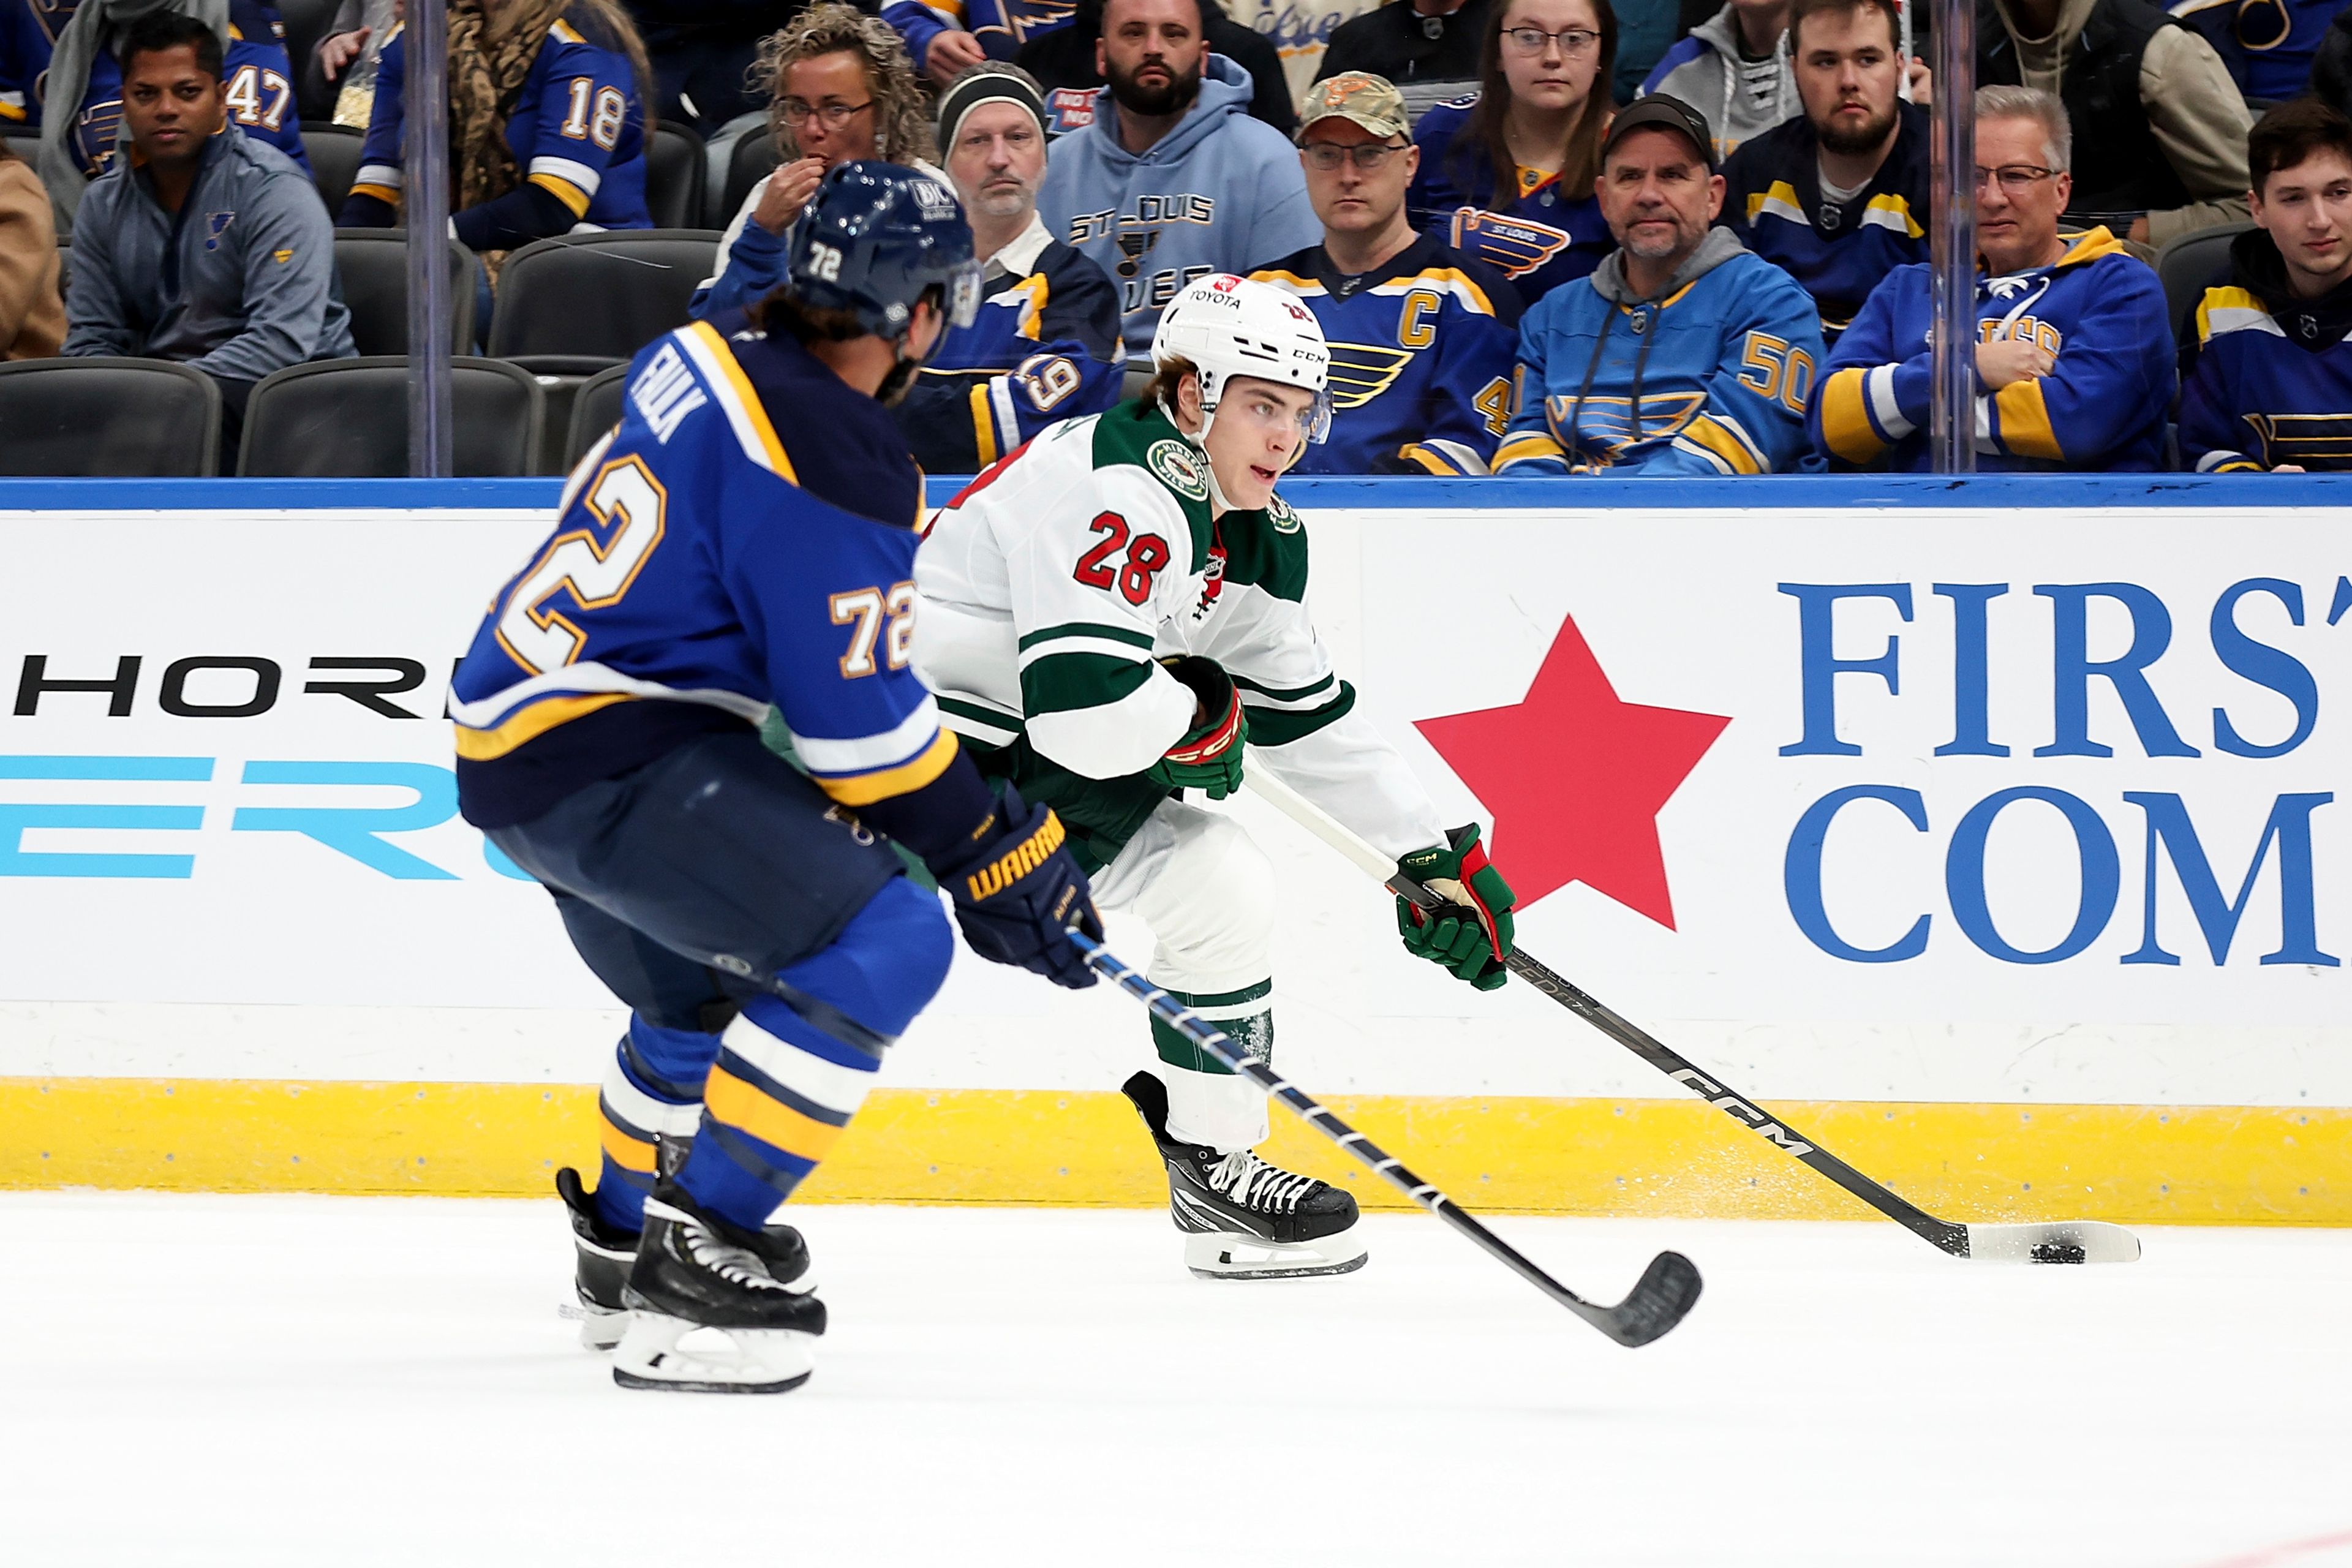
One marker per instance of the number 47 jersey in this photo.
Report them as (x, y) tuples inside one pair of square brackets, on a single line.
[(710, 557)]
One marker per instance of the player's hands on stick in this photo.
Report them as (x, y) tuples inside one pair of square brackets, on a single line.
[(1018, 893), (1209, 757), (1470, 933)]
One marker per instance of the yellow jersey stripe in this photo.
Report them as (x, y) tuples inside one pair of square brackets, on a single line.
[(983, 424), (13, 111), (748, 411), (1527, 444), (1845, 417), (385, 193), (1417, 453), (2025, 421), (865, 789), (567, 32), (1724, 445), (729, 1099), (574, 199), (482, 745)]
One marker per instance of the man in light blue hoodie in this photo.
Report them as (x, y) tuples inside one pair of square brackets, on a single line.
[(1163, 177)]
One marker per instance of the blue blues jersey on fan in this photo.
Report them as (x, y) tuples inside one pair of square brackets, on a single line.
[(577, 131), (1542, 237), (253, 69), (2268, 380), (1839, 251), (2267, 45), (721, 551), (1043, 348), (1000, 26), (1422, 350)]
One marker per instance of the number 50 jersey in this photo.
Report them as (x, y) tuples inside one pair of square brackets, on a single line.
[(710, 558)]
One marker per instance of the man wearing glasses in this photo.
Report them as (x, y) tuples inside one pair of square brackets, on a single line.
[(1421, 336), (2074, 359)]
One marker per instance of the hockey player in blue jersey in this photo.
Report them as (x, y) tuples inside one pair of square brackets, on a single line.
[(1506, 174), (549, 140), (1421, 336), (2268, 383), (718, 552), (1683, 353), (37, 62), (1044, 345)]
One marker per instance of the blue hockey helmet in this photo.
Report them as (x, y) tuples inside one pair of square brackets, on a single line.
[(875, 238)]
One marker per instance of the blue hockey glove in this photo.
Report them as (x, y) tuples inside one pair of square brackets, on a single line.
[(1017, 893), (1470, 933)]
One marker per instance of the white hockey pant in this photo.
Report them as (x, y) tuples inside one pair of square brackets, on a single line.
[(1207, 893)]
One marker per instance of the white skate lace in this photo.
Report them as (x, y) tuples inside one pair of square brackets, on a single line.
[(732, 1264), (1250, 1182)]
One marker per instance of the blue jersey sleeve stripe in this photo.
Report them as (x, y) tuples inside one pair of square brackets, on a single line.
[(824, 755), (866, 789)]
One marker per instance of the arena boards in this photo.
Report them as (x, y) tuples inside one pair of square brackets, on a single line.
[(1991, 831)]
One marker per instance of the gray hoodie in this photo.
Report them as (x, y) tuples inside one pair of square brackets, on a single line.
[(1220, 192), (1739, 97), (238, 283)]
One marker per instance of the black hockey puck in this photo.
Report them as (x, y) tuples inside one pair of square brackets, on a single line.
[(2058, 1252)]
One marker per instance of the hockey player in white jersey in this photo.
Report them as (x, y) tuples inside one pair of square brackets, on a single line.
[(1107, 615)]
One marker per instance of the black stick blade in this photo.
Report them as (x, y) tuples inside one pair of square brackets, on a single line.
[(1668, 1289)]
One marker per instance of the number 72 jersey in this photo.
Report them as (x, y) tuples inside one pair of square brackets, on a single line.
[(703, 566)]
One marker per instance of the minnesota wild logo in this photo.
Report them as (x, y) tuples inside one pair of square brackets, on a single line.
[(1179, 468), (1285, 520)]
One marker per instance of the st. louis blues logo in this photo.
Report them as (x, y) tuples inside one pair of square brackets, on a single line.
[(217, 225), (1134, 245), (1516, 245)]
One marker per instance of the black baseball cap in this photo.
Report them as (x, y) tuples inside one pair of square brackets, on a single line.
[(1668, 112)]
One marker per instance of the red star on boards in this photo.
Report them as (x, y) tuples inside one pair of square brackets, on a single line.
[(1576, 778)]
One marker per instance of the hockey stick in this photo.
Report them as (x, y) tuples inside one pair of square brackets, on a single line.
[(1668, 1287), (2068, 1241)]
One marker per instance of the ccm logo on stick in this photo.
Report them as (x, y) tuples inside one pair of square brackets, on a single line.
[(1741, 1108)]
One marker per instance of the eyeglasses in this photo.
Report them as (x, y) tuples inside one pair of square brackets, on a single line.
[(2016, 179), (1573, 42), (834, 115), (1370, 157)]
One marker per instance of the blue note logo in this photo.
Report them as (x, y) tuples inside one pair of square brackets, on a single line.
[(217, 225)]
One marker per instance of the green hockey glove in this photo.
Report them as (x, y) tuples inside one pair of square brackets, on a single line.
[(1470, 933), (1209, 757)]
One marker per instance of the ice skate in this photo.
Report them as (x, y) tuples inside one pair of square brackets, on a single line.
[(741, 1293), (600, 1259), (1242, 1218)]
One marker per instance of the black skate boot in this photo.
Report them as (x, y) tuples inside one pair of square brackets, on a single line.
[(1242, 1218), (601, 1260), (695, 1272)]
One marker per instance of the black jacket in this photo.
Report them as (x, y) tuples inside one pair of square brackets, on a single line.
[(1065, 58), (2120, 169), (1395, 42)]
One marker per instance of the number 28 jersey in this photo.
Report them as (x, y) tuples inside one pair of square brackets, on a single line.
[(1050, 588)]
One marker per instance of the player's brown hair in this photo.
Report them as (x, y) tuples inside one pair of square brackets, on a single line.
[(2292, 132), (1483, 131), (1161, 390)]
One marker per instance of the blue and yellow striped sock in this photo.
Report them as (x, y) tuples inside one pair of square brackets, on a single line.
[(652, 1087)]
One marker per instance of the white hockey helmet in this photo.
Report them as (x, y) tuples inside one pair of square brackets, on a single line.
[(1225, 326)]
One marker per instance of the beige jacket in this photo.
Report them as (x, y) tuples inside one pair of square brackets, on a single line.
[(2199, 117), (32, 312)]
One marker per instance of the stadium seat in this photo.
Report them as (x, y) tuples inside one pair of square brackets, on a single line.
[(109, 418), (599, 294), (595, 409), (560, 378), (751, 161), (306, 22), (1134, 380), (349, 419), (2188, 266), (673, 176), (334, 152), (373, 264), (718, 161)]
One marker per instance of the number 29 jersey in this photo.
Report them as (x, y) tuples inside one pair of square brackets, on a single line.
[(710, 557), (1053, 587)]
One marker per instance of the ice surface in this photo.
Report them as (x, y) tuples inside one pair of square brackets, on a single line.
[(335, 1381)]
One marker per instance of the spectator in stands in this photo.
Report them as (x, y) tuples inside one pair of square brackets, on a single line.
[(2331, 65), (1734, 67), (83, 67), (2268, 45), (703, 52), (2075, 360), (840, 88), (1419, 45), (1837, 198), (32, 316), (1507, 174), (1684, 353), (206, 245), (1045, 345), (1063, 60), (1422, 336), (1170, 179), (337, 84), (547, 124), (1646, 30), (2160, 127), (2269, 384)]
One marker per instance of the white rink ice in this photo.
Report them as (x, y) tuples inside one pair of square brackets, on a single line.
[(332, 1381)]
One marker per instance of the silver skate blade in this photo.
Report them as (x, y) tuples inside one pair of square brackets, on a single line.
[(755, 1361), (601, 1328), (1235, 1254), (2062, 1241)]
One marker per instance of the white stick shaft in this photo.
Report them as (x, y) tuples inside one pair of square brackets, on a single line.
[(1261, 783)]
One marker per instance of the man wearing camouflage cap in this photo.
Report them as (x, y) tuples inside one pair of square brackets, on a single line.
[(1422, 337)]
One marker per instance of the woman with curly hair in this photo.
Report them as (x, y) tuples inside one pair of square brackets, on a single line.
[(840, 88)]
